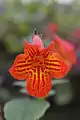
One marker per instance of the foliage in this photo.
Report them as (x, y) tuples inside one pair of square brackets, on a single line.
[(17, 20), (25, 109), (5, 95), (64, 94)]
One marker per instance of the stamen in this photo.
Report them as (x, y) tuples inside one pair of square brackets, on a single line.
[(35, 32)]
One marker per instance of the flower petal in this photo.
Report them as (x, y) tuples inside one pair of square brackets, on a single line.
[(46, 51), (65, 49), (30, 50), (39, 83), (37, 41), (55, 64), (20, 67)]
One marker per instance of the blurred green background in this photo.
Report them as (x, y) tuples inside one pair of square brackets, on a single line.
[(18, 19)]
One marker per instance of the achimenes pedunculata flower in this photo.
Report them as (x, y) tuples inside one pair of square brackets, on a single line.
[(38, 65)]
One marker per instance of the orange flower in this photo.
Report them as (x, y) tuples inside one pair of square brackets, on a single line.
[(39, 65)]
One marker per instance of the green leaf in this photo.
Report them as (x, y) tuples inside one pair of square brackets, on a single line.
[(52, 92), (20, 83), (59, 81), (25, 109), (4, 95), (64, 93), (23, 90)]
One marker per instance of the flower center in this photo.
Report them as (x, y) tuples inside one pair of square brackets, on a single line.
[(38, 61)]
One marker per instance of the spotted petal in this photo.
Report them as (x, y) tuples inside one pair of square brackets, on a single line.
[(20, 67), (30, 50), (46, 51), (57, 65), (39, 83)]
